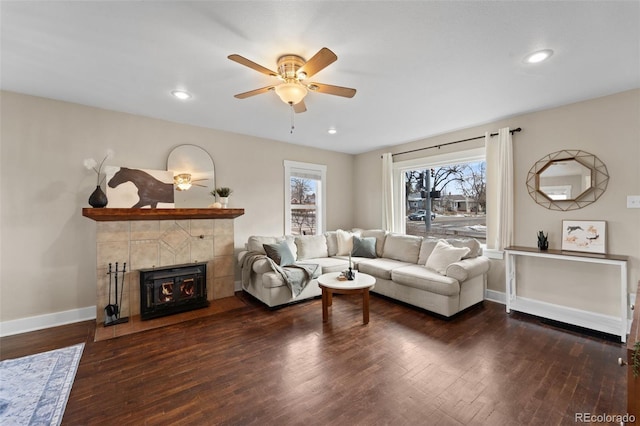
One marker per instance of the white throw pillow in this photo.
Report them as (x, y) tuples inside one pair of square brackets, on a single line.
[(443, 255), (345, 242), (332, 242), (311, 246)]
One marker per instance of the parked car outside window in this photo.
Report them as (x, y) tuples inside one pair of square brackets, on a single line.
[(420, 215)]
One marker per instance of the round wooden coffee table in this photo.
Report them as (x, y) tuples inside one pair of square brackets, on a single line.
[(330, 284)]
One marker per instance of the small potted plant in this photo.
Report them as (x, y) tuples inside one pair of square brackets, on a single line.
[(543, 240), (223, 195)]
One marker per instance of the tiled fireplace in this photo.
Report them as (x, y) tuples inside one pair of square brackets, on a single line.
[(153, 238)]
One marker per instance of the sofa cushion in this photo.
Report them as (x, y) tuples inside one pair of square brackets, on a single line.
[(428, 244), (380, 267), (255, 242), (418, 276), (280, 253), (291, 241), (355, 261), (345, 242), (332, 242), (404, 248), (329, 264), (364, 247), (379, 235), (311, 246), (443, 255), (475, 249)]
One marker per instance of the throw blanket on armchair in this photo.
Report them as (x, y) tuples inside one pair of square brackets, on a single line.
[(297, 276)]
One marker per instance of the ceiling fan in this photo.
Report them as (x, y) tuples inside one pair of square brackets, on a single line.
[(294, 71)]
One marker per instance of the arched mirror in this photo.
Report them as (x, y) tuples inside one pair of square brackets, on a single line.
[(194, 176), (567, 180)]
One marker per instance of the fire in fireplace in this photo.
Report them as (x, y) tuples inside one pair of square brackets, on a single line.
[(172, 289)]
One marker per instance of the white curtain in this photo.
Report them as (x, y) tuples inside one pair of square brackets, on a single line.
[(388, 222), (500, 195)]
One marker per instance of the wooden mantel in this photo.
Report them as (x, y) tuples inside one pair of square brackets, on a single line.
[(112, 215)]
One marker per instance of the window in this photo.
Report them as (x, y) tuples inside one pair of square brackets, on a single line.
[(304, 198), (443, 196)]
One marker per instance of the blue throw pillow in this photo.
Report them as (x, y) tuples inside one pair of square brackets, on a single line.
[(280, 253), (364, 247)]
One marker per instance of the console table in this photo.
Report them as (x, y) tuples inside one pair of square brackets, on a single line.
[(633, 382), (608, 324)]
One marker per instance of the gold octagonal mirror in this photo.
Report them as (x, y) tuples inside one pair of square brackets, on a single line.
[(567, 180)]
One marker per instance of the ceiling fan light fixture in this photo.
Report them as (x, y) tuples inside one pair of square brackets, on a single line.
[(293, 72), (291, 93), (182, 181)]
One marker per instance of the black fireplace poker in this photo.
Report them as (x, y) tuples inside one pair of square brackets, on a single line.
[(112, 311)]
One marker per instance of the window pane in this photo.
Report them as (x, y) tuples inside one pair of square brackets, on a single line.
[(303, 205), (447, 201)]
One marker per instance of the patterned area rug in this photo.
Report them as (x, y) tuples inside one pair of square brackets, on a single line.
[(34, 389)]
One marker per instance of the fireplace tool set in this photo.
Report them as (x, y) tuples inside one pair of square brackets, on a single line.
[(112, 310)]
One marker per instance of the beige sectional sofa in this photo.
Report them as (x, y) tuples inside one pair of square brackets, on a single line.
[(441, 276)]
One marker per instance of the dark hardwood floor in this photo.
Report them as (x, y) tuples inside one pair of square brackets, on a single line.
[(285, 367)]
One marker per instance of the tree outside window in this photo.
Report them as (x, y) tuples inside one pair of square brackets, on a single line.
[(305, 198), (447, 201), (303, 206)]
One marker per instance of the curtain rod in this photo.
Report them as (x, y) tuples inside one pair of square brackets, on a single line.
[(454, 142)]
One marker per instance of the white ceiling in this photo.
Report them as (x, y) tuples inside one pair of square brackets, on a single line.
[(420, 68)]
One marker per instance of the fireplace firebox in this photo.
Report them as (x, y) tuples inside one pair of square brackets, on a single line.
[(172, 289)]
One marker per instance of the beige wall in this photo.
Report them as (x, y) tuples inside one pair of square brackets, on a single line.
[(608, 127), (48, 249)]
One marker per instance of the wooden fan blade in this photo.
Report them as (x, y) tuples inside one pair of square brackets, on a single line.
[(320, 60), (247, 63), (253, 92), (299, 107), (332, 90)]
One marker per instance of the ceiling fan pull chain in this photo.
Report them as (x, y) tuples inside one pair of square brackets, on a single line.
[(292, 118)]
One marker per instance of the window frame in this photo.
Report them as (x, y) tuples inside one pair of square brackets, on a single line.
[(320, 170), (439, 160)]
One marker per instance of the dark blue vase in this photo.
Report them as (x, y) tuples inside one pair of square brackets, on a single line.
[(98, 198)]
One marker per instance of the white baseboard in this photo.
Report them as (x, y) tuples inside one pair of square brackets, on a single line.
[(594, 321), (495, 296), (586, 319), (237, 285), (39, 322)]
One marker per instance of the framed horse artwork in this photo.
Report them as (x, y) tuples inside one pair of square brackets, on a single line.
[(138, 188)]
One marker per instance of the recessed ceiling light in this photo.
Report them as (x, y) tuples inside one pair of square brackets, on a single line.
[(539, 56), (181, 94), (332, 131)]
